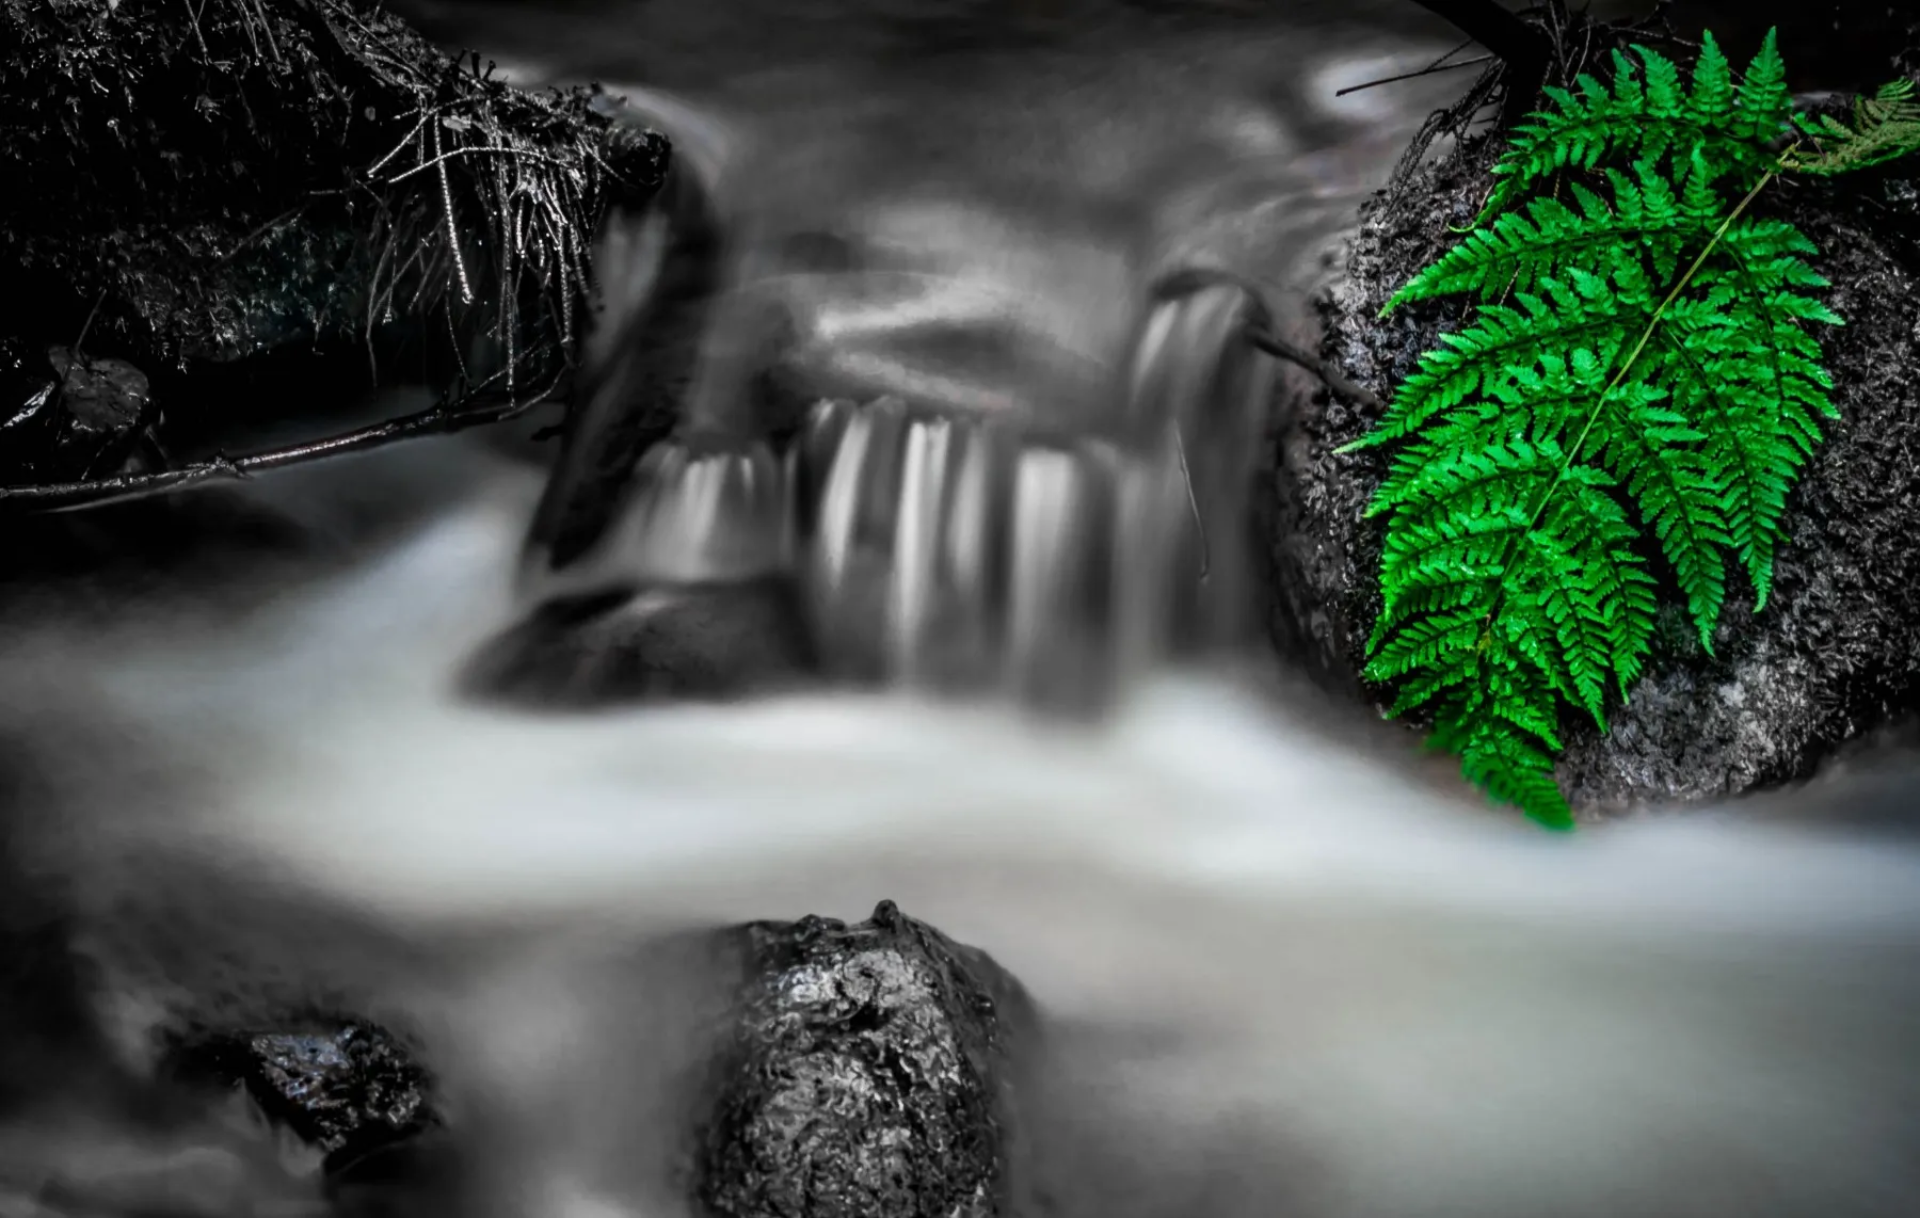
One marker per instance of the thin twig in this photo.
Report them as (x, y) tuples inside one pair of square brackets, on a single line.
[(442, 418), (1274, 345), (266, 27), (194, 17), (1521, 47), (1414, 75), (400, 147), (241, 245), (453, 228), (1193, 505), (439, 162), (246, 23), (87, 325)]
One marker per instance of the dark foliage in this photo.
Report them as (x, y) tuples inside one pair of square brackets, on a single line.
[(194, 185)]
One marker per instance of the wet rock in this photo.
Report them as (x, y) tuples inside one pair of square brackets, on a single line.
[(70, 415), (703, 641), (870, 1075), (1837, 650), (871, 1070), (104, 396), (343, 1090)]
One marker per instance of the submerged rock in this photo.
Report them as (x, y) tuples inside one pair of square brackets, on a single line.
[(706, 641), (870, 1075)]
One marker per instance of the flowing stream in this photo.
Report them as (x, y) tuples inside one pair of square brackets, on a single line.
[(1311, 975)]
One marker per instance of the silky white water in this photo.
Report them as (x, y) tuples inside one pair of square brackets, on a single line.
[(1304, 970)]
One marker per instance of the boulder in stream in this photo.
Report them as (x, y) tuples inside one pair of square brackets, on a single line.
[(870, 1075)]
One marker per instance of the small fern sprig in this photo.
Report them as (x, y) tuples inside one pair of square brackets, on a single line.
[(1885, 126), (1601, 385)]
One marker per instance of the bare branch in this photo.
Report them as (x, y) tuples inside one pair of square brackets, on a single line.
[(442, 418), (1523, 48), (1334, 379)]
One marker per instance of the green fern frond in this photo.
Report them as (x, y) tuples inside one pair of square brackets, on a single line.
[(1639, 378), (1512, 768), (1885, 127), (1517, 252), (1650, 118), (1602, 541), (1679, 493), (1492, 723), (1581, 311), (1761, 104)]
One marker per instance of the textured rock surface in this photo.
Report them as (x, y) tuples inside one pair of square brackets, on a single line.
[(869, 1076), (1837, 652), (838, 1070), (62, 417), (340, 1089)]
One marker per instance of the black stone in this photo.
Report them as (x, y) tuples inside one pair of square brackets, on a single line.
[(66, 417), (871, 1074), (344, 1090)]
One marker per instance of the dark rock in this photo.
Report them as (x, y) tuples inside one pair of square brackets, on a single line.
[(870, 1075), (702, 641), (104, 396), (344, 1090), (873, 1070), (201, 186), (77, 417), (1836, 652)]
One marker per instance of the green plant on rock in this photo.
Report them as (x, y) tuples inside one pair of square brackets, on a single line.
[(1640, 364), (1885, 126)]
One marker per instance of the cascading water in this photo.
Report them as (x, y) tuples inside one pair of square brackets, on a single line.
[(992, 385)]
